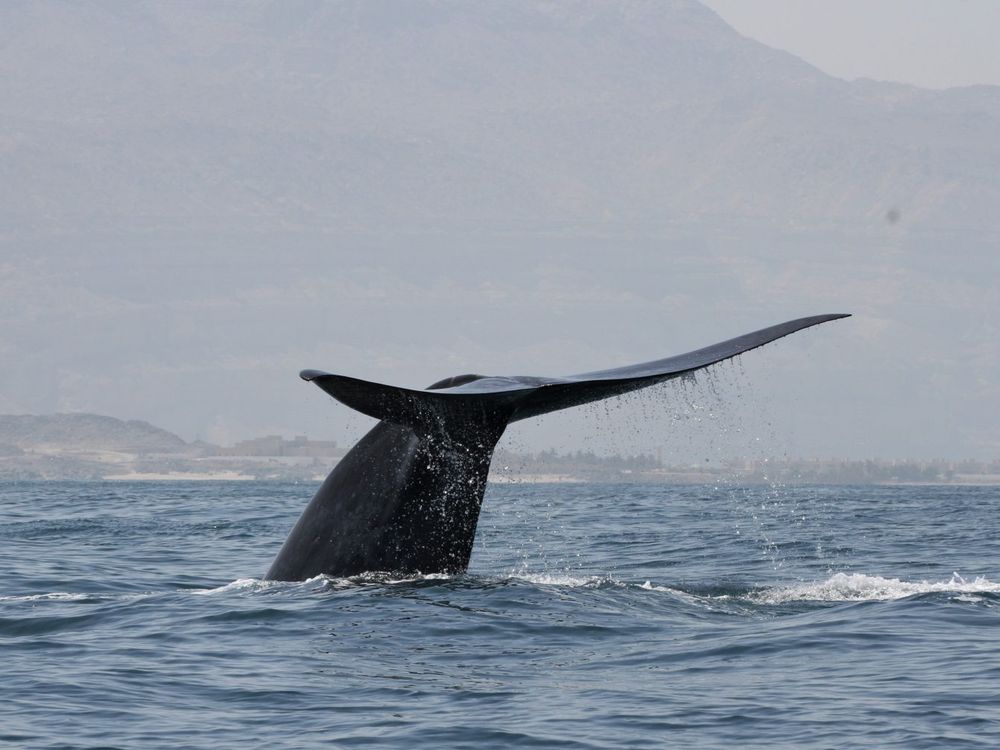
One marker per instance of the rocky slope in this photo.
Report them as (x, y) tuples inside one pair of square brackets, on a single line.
[(446, 113), (84, 432)]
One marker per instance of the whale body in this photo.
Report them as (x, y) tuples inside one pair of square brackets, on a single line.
[(406, 498)]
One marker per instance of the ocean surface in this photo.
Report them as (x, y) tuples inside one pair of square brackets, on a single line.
[(592, 616)]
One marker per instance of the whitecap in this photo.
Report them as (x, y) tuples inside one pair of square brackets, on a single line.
[(59, 596), (67, 596), (650, 586), (251, 585), (388, 579), (323, 581), (561, 579), (857, 587)]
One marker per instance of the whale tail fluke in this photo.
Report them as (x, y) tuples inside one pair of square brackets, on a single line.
[(407, 496), (426, 412), (476, 400)]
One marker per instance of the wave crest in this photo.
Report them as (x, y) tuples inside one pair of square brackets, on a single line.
[(859, 587)]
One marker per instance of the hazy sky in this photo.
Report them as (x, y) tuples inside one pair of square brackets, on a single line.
[(932, 43)]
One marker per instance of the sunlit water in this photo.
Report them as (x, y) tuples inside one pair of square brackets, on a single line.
[(132, 616)]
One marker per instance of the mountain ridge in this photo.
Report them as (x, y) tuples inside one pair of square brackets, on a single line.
[(348, 114), (84, 431), (199, 200)]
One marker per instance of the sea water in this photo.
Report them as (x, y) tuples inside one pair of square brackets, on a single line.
[(592, 616)]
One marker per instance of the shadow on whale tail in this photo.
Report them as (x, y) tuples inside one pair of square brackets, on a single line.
[(407, 497), (481, 399)]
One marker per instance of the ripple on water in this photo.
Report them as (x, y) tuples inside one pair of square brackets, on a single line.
[(633, 617)]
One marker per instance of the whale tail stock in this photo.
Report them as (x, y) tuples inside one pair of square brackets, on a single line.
[(477, 400), (407, 497)]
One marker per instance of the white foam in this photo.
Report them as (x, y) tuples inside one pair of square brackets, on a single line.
[(649, 586), (560, 579), (58, 596), (255, 585), (858, 587), (67, 596), (840, 587), (241, 584), (695, 600), (385, 578)]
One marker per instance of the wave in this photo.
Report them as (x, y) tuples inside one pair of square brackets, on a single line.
[(839, 587), (859, 587), (56, 596), (320, 582), (563, 580), (325, 582), (80, 597), (241, 584)]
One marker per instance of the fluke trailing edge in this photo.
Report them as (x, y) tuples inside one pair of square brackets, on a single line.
[(406, 498)]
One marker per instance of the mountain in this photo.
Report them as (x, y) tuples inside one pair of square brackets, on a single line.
[(446, 114), (197, 200), (85, 432)]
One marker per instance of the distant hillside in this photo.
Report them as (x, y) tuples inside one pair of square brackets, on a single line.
[(352, 113), (85, 432), (199, 199)]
